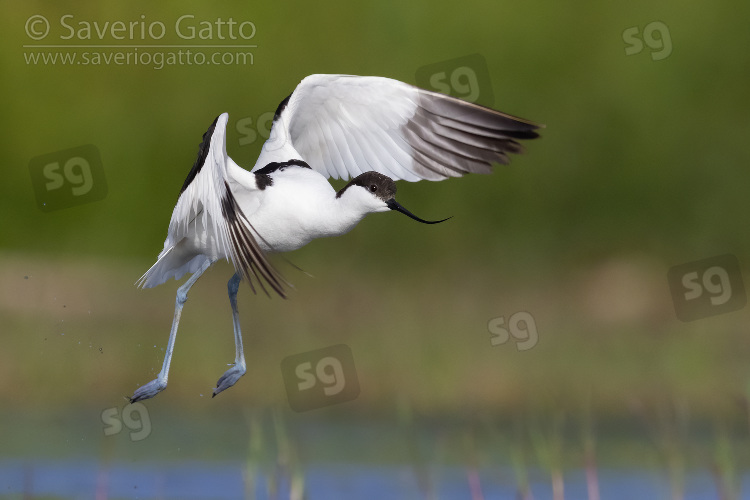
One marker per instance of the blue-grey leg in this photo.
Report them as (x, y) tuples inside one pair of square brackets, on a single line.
[(237, 370), (160, 382)]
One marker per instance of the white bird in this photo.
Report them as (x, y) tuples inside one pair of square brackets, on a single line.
[(373, 129)]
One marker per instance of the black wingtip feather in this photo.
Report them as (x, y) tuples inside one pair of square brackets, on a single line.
[(281, 107), (202, 153), (252, 260)]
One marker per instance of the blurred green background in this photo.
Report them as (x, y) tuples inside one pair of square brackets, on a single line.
[(643, 166)]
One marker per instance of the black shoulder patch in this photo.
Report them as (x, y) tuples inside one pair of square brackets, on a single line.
[(263, 175), (281, 165), (202, 153), (281, 107), (263, 180)]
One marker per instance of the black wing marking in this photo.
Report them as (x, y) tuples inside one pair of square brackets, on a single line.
[(281, 107), (251, 259), (202, 153), (263, 175)]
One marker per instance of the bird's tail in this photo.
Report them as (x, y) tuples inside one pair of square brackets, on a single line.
[(173, 262)]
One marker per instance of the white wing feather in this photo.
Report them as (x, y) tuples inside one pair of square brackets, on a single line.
[(208, 223), (343, 126)]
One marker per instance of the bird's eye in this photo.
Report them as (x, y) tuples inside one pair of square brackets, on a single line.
[(373, 188)]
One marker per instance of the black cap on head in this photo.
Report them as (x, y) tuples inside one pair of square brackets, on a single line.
[(378, 184)]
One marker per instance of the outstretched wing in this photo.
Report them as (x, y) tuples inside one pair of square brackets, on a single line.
[(208, 223), (343, 126)]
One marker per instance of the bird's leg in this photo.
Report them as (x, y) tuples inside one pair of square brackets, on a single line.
[(232, 375), (160, 382)]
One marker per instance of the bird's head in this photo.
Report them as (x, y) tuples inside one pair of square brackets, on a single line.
[(375, 192)]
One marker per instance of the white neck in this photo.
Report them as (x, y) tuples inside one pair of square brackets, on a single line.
[(342, 214)]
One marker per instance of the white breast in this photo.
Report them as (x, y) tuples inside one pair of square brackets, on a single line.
[(299, 206)]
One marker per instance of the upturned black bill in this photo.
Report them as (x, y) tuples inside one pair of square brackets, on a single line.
[(394, 205)]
